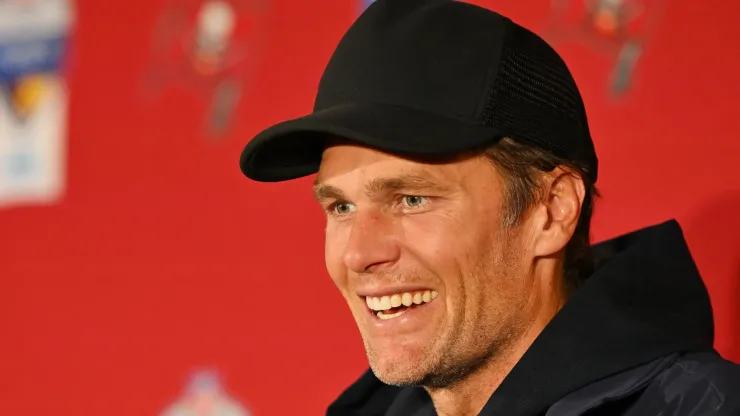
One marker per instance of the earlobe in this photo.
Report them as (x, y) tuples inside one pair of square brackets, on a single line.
[(562, 207)]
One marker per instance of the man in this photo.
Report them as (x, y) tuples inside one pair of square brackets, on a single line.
[(457, 172)]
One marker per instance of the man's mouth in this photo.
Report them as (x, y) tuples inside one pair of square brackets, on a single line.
[(393, 306)]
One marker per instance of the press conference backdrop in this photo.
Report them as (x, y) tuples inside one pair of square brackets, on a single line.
[(137, 265)]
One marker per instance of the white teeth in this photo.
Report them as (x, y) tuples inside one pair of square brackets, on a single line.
[(417, 298), (384, 316), (406, 299), (395, 301), (385, 303)]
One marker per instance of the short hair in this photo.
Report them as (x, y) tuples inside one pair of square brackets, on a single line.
[(522, 167)]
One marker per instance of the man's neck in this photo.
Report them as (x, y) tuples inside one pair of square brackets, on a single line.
[(469, 395)]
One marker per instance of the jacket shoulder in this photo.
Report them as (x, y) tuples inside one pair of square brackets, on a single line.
[(720, 375), (703, 380)]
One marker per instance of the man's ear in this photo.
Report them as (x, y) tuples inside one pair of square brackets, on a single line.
[(558, 212)]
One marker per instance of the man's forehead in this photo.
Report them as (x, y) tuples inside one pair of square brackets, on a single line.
[(404, 176), (386, 168)]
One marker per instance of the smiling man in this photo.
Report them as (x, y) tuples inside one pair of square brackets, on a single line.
[(457, 172), (437, 278)]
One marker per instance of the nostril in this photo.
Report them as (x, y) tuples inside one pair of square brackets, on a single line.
[(373, 268)]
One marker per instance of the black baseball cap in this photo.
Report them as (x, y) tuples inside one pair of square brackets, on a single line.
[(431, 78)]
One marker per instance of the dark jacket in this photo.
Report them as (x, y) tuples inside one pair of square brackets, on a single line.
[(636, 339)]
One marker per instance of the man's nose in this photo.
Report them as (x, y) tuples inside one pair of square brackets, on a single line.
[(371, 244)]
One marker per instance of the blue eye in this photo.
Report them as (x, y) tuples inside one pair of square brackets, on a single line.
[(342, 208), (414, 201)]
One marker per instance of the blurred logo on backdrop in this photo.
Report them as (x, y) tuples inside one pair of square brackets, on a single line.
[(212, 48), (205, 395), (618, 29), (34, 38)]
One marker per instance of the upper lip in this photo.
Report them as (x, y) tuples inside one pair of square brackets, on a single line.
[(377, 292)]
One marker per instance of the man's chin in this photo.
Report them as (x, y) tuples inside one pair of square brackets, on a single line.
[(398, 378), (398, 370)]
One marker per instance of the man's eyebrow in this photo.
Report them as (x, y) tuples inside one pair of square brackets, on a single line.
[(322, 191), (402, 183)]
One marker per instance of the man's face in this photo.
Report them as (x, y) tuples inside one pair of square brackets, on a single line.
[(429, 236)]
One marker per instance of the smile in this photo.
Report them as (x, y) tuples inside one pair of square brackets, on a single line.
[(393, 306)]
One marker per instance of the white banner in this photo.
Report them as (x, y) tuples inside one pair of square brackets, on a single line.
[(34, 37)]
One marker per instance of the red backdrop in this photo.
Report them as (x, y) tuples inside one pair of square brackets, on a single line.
[(162, 257)]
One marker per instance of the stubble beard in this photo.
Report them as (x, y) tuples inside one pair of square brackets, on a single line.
[(465, 350), (446, 366)]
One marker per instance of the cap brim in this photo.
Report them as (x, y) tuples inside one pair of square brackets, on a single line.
[(293, 149)]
